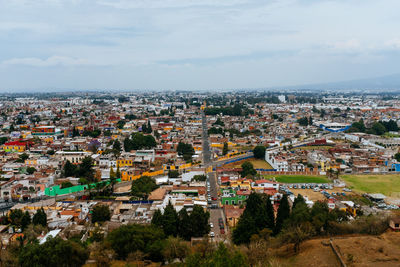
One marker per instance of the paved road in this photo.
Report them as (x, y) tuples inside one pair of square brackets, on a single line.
[(217, 213)]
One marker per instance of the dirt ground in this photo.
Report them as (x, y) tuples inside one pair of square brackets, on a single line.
[(383, 250)]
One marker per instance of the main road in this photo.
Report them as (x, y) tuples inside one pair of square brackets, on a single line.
[(215, 213)]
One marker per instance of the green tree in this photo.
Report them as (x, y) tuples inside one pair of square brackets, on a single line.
[(30, 170), (199, 221), (397, 157), (170, 220), (40, 218), (85, 169), (66, 184), (101, 213), (69, 169), (298, 199), (112, 173), (282, 214), (131, 238), (15, 217), (173, 174), (185, 150), (157, 219), (54, 252), (142, 187), (248, 169), (25, 220), (185, 224), (259, 152), (225, 149)]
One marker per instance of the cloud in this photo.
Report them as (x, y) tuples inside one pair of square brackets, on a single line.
[(131, 4), (352, 44), (394, 43), (51, 61)]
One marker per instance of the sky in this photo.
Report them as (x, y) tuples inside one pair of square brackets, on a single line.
[(194, 44)]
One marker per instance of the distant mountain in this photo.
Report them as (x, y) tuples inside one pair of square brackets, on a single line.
[(388, 82)]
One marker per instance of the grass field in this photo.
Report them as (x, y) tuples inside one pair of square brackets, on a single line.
[(388, 185), (299, 179)]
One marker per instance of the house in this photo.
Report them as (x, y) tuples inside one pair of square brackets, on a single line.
[(15, 146), (231, 197), (265, 184), (232, 214)]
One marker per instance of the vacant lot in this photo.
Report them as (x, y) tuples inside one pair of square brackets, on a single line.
[(388, 185), (257, 163), (356, 251), (294, 179)]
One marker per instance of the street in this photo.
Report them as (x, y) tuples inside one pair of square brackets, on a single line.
[(215, 213)]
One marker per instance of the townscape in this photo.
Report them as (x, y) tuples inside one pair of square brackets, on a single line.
[(200, 179)]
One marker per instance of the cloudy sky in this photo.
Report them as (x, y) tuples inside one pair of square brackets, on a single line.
[(194, 44)]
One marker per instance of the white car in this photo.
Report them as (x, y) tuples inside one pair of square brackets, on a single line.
[(212, 234), (211, 225)]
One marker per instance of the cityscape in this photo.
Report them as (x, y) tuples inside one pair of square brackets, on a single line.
[(248, 178)]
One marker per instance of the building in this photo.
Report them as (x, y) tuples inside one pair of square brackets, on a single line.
[(15, 146)]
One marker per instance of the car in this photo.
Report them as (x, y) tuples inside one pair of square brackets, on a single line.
[(212, 234), (211, 225), (222, 231), (214, 198)]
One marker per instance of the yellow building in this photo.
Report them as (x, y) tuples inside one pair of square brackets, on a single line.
[(15, 146), (124, 163)]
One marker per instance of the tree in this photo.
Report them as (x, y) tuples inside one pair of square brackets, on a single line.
[(142, 187), (15, 217), (199, 177), (259, 152), (134, 237), (66, 184), (298, 199), (69, 169), (199, 221), (112, 173), (297, 235), (170, 220), (185, 150), (397, 157), (173, 174), (101, 213), (258, 215), (26, 220), (118, 173), (23, 157), (225, 149), (139, 141), (116, 147), (248, 169), (30, 170), (282, 214), (157, 219), (224, 257), (120, 124), (175, 248), (40, 218), (85, 169), (54, 252), (184, 225)]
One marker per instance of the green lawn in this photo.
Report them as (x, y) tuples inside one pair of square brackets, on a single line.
[(299, 179), (388, 185)]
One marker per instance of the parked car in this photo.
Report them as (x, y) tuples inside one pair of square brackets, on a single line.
[(211, 225), (212, 234), (222, 231)]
